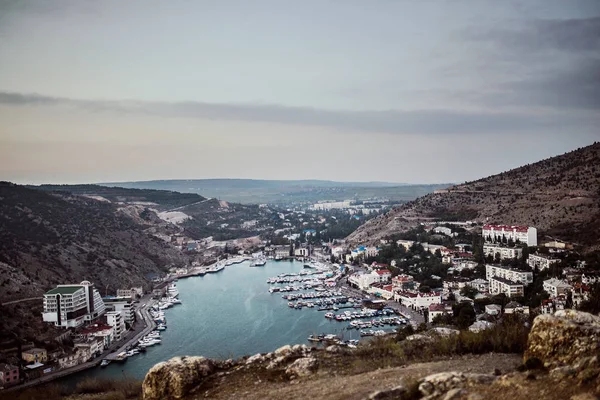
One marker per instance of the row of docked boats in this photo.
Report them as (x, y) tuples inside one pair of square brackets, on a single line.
[(356, 324), (296, 279), (371, 332), (333, 339), (364, 313), (331, 294)]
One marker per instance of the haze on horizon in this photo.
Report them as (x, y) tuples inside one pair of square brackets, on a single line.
[(394, 91)]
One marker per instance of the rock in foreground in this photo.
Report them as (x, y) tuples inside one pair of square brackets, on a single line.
[(175, 378), (564, 338)]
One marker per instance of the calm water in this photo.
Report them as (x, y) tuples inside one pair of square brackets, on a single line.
[(228, 314)]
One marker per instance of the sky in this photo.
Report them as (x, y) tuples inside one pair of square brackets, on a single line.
[(395, 91)]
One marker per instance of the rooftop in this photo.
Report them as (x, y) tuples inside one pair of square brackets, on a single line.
[(64, 290), (35, 350)]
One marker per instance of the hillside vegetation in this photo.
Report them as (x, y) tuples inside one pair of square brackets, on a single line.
[(52, 238), (560, 196)]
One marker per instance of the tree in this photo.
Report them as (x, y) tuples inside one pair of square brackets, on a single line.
[(592, 305), (469, 292), (424, 289), (464, 314)]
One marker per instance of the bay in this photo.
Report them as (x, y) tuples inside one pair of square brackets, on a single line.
[(224, 315)]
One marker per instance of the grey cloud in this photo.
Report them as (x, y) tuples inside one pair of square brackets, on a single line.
[(387, 121), (569, 35)]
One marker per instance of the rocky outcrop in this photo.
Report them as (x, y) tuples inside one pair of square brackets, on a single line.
[(564, 338), (439, 386), (175, 378), (302, 367)]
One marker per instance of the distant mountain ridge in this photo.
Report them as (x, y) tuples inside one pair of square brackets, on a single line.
[(256, 191), (558, 195)]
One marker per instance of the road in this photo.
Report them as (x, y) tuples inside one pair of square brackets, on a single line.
[(22, 300)]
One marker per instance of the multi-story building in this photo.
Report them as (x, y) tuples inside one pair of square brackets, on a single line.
[(512, 274), (70, 306), (509, 288), (9, 374), (115, 319), (523, 234), (364, 281), (556, 287), (35, 355), (124, 305), (92, 346), (504, 251), (436, 310), (541, 261), (418, 300)]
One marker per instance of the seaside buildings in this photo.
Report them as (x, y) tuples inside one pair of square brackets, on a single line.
[(70, 306), (115, 319)]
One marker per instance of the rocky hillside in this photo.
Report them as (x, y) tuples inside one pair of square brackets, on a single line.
[(559, 195), (47, 238)]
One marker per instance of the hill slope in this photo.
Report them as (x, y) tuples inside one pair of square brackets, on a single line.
[(559, 195), (47, 238)]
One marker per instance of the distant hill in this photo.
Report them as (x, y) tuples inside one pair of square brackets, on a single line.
[(254, 191), (560, 196), (47, 238), (160, 199)]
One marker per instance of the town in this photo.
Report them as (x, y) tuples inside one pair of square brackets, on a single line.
[(458, 275)]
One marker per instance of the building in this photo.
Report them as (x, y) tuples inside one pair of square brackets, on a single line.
[(301, 252), (493, 309), (282, 252), (9, 375), (35, 355), (115, 319), (105, 332), (124, 305), (438, 309), (454, 284), (418, 300), (383, 291), (69, 306), (523, 234), (589, 278), (92, 346), (509, 288), (503, 251), (541, 261), (481, 285), (443, 230), (364, 281), (556, 287), (407, 244), (135, 292), (383, 275), (515, 308), (512, 274)]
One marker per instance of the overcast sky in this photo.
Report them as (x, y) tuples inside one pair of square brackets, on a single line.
[(398, 91)]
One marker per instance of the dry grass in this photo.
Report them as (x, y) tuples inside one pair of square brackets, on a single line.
[(92, 388)]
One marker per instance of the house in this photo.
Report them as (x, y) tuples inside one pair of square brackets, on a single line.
[(418, 300), (438, 309), (9, 374), (443, 230), (523, 234), (363, 280), (35, 355), (550, 306), (556, 287), (541, 261), (74, 358), (515, 308), (481, 285), (590, 277), (407, 244), (115, 319), (460, 264), (69, 306), (493, 309), (301, 252), (455, 283), (135, 292), (105, 332), (502, 252), (93, 346), (384, 275)]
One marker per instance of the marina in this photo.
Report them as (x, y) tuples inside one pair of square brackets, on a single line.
[(232, 313)]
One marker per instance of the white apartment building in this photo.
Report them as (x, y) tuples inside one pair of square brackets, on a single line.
[(124, 305), (301, 252), (523, 234), (556, 287), (134, 292), (509, 288), (331, 205), (511, 274), (541, 261), (115, 319), (70, 306), (505, 252)]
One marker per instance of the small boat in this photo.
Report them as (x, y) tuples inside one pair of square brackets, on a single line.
[(313, 338), (104, 363)]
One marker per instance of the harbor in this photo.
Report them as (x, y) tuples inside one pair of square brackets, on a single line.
[(231, 313)]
